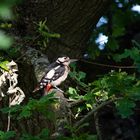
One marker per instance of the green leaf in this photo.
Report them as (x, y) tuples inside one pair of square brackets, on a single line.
[(118, 31), (5, 41), (5, 12), (13, 52), (3, 65), (82, 75), (7, 135), (72, 90), (79, 77), (50, 35), (5, 25), (112, 44), (12, 109), (73, 93), (125, 107), (44, 134), (134, 93), (133, 53), (89, 106), (29, 137), (38, 105), (92, 137)]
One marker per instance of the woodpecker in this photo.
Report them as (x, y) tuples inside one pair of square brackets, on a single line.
[(56, 73)]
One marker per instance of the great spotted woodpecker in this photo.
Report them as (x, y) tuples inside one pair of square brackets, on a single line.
[(57, 72)]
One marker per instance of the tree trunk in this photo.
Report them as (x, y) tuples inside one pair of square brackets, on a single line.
[(74, 20)]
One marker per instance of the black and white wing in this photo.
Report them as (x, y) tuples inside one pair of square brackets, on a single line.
[(52, 75), (51, 66), (59, 72)]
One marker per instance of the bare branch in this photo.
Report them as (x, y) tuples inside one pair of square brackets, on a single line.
[(110, 66), (86, 117), (76, 103)]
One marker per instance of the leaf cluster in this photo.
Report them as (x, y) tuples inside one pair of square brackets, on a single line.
[(119, 85), (45, 34), (7, 135), (114, 25), (26, 111)]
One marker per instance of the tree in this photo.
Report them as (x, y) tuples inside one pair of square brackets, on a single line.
[(68, 27), (73, 20)]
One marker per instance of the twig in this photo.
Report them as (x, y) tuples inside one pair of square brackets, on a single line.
[(97, 126), (59, 89), (9, 116), (73, 104), (110, 66), (24, 53), (93, 111)]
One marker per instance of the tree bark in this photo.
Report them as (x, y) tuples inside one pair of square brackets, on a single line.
[(74, 20)]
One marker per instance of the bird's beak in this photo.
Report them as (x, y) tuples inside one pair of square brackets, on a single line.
[(73, 60)]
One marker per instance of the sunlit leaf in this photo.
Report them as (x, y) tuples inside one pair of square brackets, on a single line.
[(89, 106), (73, 93), (3, 65)]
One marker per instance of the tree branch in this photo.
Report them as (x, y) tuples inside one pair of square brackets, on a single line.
[(110, 66), (76, 103), (86, 117)]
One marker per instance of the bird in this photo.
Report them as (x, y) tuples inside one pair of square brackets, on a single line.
[(56, 73)]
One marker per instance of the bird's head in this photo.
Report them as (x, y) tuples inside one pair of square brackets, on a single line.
[(65, 60)]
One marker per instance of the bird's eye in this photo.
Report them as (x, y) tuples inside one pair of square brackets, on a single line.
[(65, 57)]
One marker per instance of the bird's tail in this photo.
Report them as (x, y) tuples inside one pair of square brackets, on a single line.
[(36, 89), (47, 88)]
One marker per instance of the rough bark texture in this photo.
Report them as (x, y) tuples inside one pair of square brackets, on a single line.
[(33, 66), (61, 111), (73, 20)]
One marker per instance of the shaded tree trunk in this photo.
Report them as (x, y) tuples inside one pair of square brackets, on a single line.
[(73, 20)]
